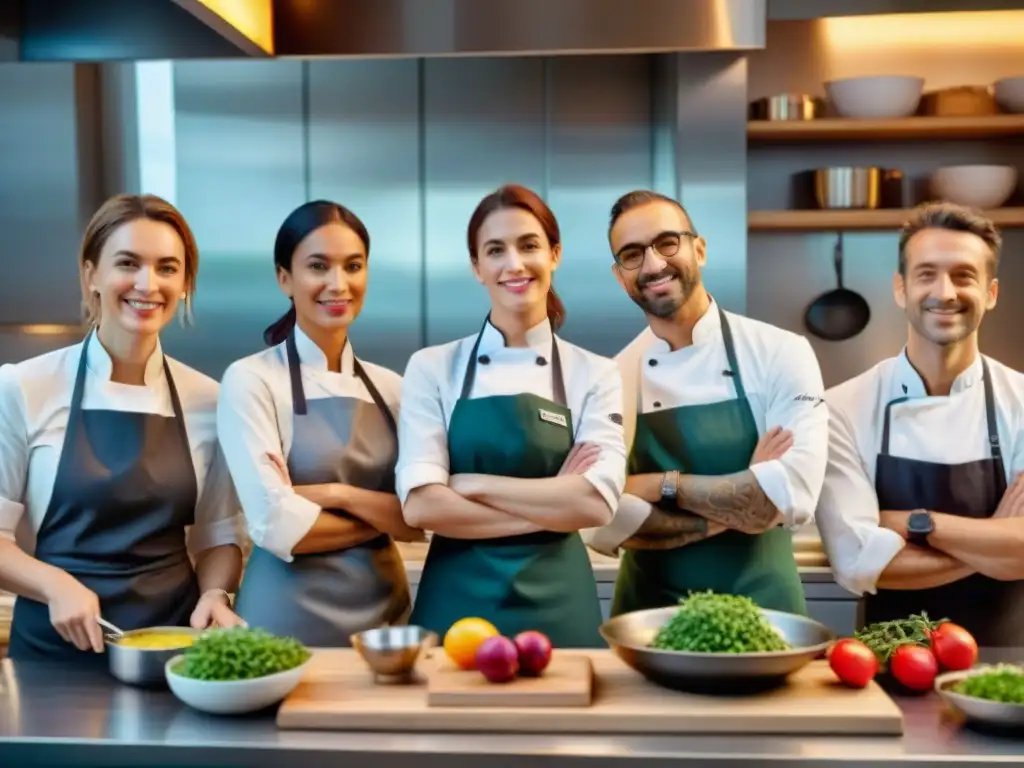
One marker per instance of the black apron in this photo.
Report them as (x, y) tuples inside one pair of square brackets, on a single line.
[(706, 439), (543, 580), (124, 493), (991, 610), (322, 598)]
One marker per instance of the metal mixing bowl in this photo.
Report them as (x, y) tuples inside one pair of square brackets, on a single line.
[(392, 652), (631, 634), (142, 666), (997, 713)]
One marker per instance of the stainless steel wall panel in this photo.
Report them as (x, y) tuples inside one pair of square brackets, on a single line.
[(599, 146), (484, 126), (241, 160), (364, 152)]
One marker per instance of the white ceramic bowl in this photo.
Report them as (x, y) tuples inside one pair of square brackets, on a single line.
[(977, 186), (1009, 93), (878, 96), (233, 697)]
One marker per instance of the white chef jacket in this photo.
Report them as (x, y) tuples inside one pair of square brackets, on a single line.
[(945, 430), (784, 386), (35, 400), (255, 417), (433, 384)]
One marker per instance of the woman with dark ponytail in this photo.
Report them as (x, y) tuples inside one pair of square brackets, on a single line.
[(310, 436), (511, 443)]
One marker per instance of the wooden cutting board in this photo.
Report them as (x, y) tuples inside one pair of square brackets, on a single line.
[(567, 682), (338, 693)]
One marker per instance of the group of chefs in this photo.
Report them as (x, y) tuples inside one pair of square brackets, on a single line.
[(130, 483)]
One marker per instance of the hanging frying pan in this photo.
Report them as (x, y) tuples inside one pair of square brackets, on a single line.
[(839, 314)]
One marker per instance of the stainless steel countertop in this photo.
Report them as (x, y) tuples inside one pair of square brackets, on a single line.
[(51, 715)]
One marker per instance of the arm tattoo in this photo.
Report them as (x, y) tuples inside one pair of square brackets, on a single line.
[(663, 530), (735, 501)]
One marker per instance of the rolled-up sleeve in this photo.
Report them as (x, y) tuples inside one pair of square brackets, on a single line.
[(601, 424), (796, 402), (422, 430), (219, 519), (13, 452), (858, 547), (276, 517)]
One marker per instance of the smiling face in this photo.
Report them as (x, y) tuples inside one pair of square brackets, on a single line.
[(139, 277), (948, 286), (515, 261), (658, 260), (328, 277)]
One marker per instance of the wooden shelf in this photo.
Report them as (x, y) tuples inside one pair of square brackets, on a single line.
[(902, 129), (833, 220)]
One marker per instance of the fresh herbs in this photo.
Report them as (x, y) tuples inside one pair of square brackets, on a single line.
[(711, 623), (1003, 683), (884, 637), (240, 653)]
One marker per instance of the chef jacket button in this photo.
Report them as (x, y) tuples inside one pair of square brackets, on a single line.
[(483, 359), (541, 361), (652, 362), (657, 404)]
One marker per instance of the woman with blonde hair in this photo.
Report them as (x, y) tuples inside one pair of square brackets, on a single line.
[(108, 456)]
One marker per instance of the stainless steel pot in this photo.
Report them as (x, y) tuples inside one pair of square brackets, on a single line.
[(142, 666), (848, 187), (786, 106)]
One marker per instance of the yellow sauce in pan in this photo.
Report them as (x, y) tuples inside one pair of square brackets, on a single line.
[(157, 641)]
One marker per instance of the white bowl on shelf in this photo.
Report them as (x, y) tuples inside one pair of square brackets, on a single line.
[(877, 96), (233, 697), (976, 186), (1009, 93)]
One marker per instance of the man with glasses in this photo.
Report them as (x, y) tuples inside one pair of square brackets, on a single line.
[(727, 428)]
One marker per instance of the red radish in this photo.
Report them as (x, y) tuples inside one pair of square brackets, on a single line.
[(534, 652), (497, 658)]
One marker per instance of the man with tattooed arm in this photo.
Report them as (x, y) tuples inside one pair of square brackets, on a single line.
[(727, 428)]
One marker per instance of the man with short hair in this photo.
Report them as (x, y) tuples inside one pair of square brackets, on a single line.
[(726, 423), (923, 505)]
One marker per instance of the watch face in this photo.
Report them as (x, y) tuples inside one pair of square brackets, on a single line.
[(919, 522)]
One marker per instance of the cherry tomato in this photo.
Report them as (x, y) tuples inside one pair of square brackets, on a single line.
[(914, 666), (954, 647), (853, 662)]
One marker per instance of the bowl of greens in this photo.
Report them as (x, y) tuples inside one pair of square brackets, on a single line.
[(992, 694), (237, 670), (716, 643)]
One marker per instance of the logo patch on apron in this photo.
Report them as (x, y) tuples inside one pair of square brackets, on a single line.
[(553, 418)]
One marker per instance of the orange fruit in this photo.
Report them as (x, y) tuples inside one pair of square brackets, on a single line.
[(464, 637)]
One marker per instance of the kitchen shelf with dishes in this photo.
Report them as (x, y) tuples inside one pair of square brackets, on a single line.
[(885, 109)]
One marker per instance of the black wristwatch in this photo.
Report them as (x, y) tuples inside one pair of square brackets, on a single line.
[(919, 526), (668, 485)]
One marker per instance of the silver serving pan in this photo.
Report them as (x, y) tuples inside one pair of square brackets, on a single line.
[(142, 666), (995, 713), (630, 635)]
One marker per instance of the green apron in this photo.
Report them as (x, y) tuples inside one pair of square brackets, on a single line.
[(541, 580), (712, 439)]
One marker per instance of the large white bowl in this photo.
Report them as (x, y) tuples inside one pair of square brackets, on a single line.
[(977, 186), (1009, 93), (878, 96), (233, 697)]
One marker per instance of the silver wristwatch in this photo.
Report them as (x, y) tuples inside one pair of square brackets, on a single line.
[(669, 483)]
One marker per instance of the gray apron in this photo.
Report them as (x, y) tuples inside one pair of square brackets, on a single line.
[(322, 598), (124, 493)]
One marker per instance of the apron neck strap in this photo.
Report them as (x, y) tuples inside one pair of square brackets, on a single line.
[(557, 378), (733, 370), (299, 393), (990, 416)]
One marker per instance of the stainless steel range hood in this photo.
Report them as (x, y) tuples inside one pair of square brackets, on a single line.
[(429, 28)]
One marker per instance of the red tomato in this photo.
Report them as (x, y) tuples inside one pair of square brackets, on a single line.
[(954, 647), (915, 666), (853, 662)]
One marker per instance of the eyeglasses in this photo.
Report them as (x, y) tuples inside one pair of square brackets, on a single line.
[(666, 244)]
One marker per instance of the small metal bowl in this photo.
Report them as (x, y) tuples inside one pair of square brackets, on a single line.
[(143, 666), (994, 713), (631, 634), (392, 652)]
